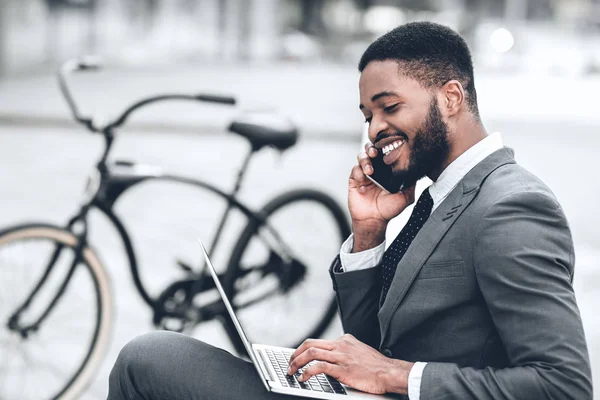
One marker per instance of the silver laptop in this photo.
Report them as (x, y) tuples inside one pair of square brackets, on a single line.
[(271, 363)]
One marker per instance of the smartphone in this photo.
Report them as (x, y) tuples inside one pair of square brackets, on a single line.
[(382, 175)]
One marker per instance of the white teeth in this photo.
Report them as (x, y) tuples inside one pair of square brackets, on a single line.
[(387, 149)]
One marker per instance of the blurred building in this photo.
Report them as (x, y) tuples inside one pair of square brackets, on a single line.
[(35, 35)]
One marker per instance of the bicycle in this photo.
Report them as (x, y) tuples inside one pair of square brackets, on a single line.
[(69, 273)]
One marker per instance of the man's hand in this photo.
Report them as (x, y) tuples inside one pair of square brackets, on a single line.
[(371, 208), (353, 363)]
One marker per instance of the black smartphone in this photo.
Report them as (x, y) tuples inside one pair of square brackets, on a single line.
[(382, 175)]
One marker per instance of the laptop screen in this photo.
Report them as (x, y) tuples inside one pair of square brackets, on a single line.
[(229, 307)]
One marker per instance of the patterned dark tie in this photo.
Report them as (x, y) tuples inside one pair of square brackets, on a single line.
[(395, 252)]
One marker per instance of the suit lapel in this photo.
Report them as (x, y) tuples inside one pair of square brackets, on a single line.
[(434, 230)]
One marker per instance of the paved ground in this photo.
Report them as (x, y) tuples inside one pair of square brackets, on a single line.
[(44, 168)]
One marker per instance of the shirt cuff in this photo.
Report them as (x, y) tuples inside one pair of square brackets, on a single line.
[(361, 260), (414, 380)]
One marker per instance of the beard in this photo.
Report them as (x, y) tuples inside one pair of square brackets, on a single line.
[(429, 150)]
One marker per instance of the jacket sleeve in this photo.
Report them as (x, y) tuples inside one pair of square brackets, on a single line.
[(523, 256), (357, 294)]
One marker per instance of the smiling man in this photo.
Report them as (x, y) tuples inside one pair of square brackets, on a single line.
[(474, 298)]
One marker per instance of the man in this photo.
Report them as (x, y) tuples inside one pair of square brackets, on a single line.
[(472, 300)]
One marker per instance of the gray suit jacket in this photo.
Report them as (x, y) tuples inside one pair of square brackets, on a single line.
[(484, 294)]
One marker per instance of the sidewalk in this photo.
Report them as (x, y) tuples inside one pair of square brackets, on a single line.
[(322, 99)]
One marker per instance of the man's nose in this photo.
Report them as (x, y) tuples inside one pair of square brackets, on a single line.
[(377, 126)]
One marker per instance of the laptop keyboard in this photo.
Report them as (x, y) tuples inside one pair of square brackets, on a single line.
[(319, 383)]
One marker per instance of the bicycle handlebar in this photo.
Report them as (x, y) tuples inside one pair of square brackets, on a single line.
[(72, 65), (212, 98), (92, 63), (198, 97)]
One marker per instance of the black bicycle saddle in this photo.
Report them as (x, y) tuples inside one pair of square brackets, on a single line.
[(266, 129)]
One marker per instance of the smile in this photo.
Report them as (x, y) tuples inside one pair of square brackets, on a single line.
[(390, 147)]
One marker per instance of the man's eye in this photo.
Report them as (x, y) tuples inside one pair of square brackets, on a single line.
[(391, 108)]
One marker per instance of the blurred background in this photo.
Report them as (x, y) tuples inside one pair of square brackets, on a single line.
[(537, 73), (551, 36)]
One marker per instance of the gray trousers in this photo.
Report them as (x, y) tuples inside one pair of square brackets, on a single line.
[(171, 366)]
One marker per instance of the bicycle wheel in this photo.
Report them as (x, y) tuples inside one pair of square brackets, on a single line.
[(284, 302), (58, 359)]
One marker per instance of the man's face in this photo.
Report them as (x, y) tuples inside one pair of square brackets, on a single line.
[(405, 122)]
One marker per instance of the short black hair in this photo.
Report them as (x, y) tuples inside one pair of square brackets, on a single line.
[(428, 52)]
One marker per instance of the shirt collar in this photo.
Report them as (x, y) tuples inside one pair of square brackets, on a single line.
[(453, 174)]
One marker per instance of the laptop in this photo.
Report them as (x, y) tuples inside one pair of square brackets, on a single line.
[(271, 363)]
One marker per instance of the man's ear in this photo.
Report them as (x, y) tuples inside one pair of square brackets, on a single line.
[(454, 96)]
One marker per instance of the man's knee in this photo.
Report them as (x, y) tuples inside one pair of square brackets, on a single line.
[(168, 365), (156, 355), (139, 358), (137, 353)]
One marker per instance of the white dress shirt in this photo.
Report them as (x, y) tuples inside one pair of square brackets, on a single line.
[(439, 190)]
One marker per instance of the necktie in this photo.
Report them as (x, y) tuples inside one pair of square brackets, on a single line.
[(395, 252)]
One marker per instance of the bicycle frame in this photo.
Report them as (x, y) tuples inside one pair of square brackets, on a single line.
[(114, 184), (106, 184)]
